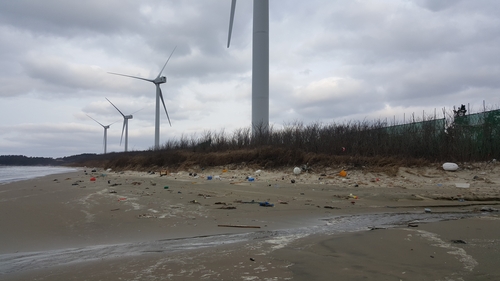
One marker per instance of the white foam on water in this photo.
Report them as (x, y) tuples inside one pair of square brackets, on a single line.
[(468, 261)]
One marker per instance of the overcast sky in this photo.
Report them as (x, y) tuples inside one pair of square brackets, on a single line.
[(330, 61)]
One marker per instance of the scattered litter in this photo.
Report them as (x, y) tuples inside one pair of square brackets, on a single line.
[(292, 181), (282, 202), (412, 224), (224, 171), (266, 204), (209, 177), (122, 199), (252, 259), (92, 179), (217, 177), (258, 172), (112, 191), (353, 202), (194, 202), (462, 185), (228, 207), (165, 187), (458, 241), (251, 179), (450, 166), (115, 209), (163, 173), (220, 203), (331, 207), (375, 228), (240, 226), (478, 178), (296, 170), (115, 184), (427, 210), (136, 183), (343, 173), (248, 202)]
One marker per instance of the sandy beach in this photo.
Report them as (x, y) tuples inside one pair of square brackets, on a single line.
[(234, 223)]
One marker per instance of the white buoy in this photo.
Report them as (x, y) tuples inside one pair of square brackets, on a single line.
[(297, 170), (450, 166)]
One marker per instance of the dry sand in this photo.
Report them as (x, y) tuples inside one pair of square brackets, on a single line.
[(142, 226)]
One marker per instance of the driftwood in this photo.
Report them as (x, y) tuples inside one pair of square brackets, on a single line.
[(238, 225)]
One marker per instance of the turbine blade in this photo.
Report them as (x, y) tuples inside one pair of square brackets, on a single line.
[(231, 18), (113, 123), (116, 108), (149, 80), (163, 102), (159, 74), (136, 111), (94, 120), (123, 129)]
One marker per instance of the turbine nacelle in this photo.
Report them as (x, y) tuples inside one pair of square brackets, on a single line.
[(160, 80), (128, 117)]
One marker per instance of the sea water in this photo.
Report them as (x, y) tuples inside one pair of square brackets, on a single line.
[(18, 173)]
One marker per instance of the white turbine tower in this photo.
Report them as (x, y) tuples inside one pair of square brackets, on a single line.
[(260, 63), (125, 125), (105, 140), (157, 81)]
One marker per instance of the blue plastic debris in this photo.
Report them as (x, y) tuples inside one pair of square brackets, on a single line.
[(266, 204)]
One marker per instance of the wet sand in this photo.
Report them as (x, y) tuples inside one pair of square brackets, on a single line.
[(143, 226)]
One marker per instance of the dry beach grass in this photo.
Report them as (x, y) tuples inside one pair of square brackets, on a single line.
[(321, 227)]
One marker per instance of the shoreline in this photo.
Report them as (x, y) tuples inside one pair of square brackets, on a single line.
[(63, 211)]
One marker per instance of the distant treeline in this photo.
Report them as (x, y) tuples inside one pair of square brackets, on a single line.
[(21, 160)]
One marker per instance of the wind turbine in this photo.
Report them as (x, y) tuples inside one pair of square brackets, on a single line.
[(105, 141), (260, 63), (157, 81), (125, 125)]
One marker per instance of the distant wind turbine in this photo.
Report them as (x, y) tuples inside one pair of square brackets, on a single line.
[(125, 125), (105, 140), (260, 62), (157, 81)]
